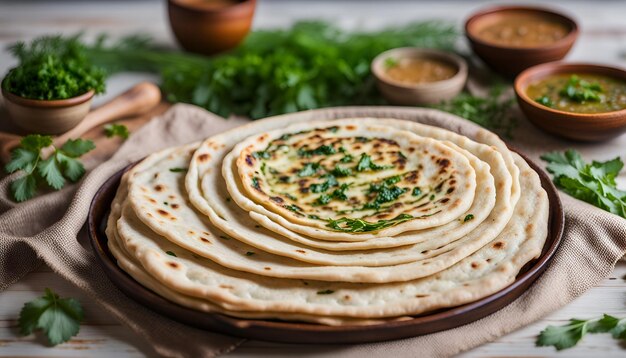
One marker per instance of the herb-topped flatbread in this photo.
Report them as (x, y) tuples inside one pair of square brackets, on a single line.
[(357, 178)]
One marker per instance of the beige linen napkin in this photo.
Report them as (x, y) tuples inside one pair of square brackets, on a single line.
[(593, 241)]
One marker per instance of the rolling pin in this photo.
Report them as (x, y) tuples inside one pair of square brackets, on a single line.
[(136, 101)]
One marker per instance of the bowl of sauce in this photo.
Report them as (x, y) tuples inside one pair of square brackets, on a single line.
[(414, 76), (510, 39), (210, 26), (585, 102)]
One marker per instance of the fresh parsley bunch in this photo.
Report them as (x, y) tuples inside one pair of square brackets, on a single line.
[(593, 183), (58, 317), (54, 170), (52, 68)]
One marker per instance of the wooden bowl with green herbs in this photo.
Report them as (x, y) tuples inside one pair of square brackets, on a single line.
[(585, 102), (50, 90)]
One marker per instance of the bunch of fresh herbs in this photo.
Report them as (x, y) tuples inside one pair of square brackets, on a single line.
[(593, 183), (53, 68)]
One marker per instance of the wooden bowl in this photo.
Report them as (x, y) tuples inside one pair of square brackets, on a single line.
[(47, 116), (297, 332), (511, 60), (205, 28), (403, 93), (589, 127)]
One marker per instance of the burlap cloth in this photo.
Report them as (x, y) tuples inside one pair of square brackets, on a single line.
[(48, 228)]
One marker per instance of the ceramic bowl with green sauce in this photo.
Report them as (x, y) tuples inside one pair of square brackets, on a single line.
[(578, 101)]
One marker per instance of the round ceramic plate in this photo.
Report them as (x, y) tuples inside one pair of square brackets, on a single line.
[(294, 332)]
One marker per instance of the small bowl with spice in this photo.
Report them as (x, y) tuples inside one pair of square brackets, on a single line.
[(585, 102), (510, 39), (414, 76)]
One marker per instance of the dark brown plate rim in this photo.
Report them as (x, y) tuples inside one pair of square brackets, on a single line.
[(295, 332)]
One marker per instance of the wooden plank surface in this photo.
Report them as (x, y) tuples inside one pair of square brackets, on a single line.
[(603, 40)]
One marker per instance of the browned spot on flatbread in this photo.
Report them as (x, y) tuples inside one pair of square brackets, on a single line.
[(159, 187), (421, 295), (174, 206), (529, 227), (226, 286), (347, 297), (203, 157), (191, 232), (267, 268), (301, 251), (475, 265), (173, 264), (498, 245), (277, 199), (163, 212), (205, 240), (249, 160)]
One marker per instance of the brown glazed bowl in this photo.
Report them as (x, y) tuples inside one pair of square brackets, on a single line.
[(47, 116), (510, 60), (206, 28), (588, 127), (409, 94)]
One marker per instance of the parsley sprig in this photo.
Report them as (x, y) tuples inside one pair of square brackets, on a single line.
[(593, 183), (58, 317), (579, 90), (54, 170), (567, 336), (360, 225)]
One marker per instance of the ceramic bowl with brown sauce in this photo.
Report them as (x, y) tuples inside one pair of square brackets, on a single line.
[(510, 39), (585, 102), (413, 76)]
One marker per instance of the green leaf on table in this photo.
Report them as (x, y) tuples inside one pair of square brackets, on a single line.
[(59, 318), (73, 169), (116, 130), (567, 336), (35, 142)]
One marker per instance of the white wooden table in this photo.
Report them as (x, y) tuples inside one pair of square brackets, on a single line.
[(603, 40)]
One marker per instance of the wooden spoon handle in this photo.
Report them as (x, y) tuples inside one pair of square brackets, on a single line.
[(138, 100)]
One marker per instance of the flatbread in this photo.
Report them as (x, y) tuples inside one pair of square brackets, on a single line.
[(355, 177)]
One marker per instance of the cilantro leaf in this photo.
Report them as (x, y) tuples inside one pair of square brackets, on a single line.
[(593, 183), (76, 147), (24, 188), (58, 317), (21, 158), (62, 164), (119, 130), (49, 170), (567, 336), (366, 163)]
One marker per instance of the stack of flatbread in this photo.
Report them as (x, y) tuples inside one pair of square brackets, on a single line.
[(342, 222)]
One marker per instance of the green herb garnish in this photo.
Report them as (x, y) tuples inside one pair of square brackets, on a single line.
[(62, 164), (249, 253), (171, 253), (116, 130), (255, 183), (331, 181), (53, 68), (294, 208), (567, 336), (309, 169), (360, 225), (390, 62), (321, 150), (262, 154), (580, 90), (468, 217), (545, 100), (58, 317), (341, 172), (325, 292), (416, 191), (178, 170), (593, 183), (366, 163)]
